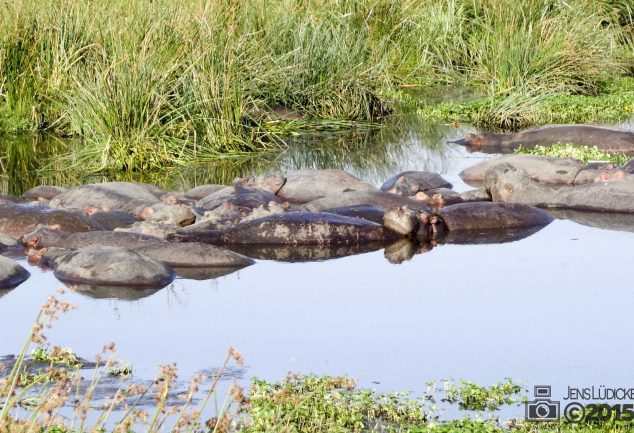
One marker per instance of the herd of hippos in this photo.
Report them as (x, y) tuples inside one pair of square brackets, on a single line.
[(123, 234)]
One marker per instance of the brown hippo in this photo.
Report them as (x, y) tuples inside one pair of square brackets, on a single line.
[(541, 168), (11, 273), (365, 211), (123, 196), (509, 184), (203, 191), (267, 182), (492, 216), (376, 198), (408, 183), (607, 139), (112, 266), (294, 228), (18, 219), (46, 192), (303, 186), (180, 255), (237, 196)]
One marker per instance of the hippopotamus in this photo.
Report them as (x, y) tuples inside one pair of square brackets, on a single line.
[(11, 273), (112, 266), (365, 211), (541, 168), (18, 219), (180, 255), (492, 216), (409, 183), (267, 182), (45, 192), (607, 139), (203, 191), (294, 228), (507, 183), (177, 214), (237, 196), (123, 196), (376, 198), (405, 221), (111, 219), (303, 186), (480, 194)]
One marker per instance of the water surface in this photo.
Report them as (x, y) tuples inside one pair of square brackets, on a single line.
[(553, 308)]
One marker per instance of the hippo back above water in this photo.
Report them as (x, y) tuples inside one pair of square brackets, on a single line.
[(607, 139), (294, 228)]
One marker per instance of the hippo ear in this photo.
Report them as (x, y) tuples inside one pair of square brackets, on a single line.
[(54, 227), (508, 188)]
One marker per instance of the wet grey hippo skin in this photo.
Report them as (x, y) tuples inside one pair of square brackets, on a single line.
[(46, 192), (365, 211), (303, 186), (267, 182), (182, 255), (237, 196), (492, 216), (607, 139), (408, 183), (295, 228), (122, 196), (113, 266), (11, 273), (113, 219), (509, 184), (203, 191), (18, 219), (541, 168), (376, 198)]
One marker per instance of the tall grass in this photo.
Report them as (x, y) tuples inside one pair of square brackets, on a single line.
[(152, 83)]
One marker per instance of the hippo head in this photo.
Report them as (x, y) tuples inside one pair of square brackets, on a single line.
[(478, 142), (610, 176), (33, 239), (401, 220), (503, 180)]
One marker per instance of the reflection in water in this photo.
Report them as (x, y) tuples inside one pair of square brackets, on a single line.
[(608, 221), (373, 154), (303, 253), (475, 237), (201, 273), (114, 292)]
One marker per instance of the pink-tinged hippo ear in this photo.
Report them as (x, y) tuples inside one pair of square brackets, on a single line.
[(147, 212), (286, 205), (91, 210), (421, 196)]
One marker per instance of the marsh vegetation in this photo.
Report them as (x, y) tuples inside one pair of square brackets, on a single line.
[(149, 84)]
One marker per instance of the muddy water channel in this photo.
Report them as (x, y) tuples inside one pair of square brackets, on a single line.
[(554, 308)]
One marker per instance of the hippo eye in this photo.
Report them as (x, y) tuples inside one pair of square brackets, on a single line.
[(508, 188)]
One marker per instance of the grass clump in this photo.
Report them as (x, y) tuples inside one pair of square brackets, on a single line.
[(614, 103), (582, 153), (149, 84)]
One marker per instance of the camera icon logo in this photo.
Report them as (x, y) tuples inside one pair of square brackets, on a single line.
[(542, 408)]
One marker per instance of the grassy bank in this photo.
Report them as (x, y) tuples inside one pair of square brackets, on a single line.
[(148, 84)]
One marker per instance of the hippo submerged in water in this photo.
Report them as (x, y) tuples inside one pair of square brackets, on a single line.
[(607, 139)]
